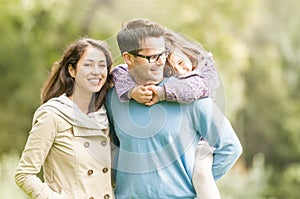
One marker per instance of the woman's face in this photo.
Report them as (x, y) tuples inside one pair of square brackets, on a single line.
[(91, 71), (180, 62)]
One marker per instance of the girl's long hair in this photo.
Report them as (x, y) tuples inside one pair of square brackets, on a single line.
[(193, 50)]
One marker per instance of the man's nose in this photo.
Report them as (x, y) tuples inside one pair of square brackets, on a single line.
[(161, 61)]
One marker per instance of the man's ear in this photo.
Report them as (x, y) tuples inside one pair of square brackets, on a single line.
[(71, 71), (128, 58)]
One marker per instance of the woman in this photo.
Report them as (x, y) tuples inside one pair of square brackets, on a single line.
[(70, 132), (196, 78)]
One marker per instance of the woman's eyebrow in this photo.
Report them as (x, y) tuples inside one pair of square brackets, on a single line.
[(91, 60)]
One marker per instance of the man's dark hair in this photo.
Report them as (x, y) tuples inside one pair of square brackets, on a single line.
[(133, 32)]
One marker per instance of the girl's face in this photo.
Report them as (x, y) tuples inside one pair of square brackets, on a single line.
[(180, 62), (91, 72)]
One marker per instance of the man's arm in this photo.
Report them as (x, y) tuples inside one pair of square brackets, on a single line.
[(115, 143), (216, 128)]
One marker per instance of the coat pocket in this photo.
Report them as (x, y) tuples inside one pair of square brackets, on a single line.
[(63, 126)]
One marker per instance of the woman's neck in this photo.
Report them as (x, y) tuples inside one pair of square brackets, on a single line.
[(82, 101)]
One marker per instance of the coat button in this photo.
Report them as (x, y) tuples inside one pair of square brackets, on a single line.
[(106, 196), (90, 172), (104, 170), (86, 144), (103, 143)]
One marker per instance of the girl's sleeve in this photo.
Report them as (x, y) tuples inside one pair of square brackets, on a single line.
[(123, 82), (185, 90), (39, 142), (200, 83), (208, 72)]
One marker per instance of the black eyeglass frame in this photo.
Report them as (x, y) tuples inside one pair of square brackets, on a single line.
[(153, 57)]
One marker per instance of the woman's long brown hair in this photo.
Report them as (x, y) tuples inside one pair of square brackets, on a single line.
[(59, 80)]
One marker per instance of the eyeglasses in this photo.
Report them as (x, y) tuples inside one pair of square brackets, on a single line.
[(153, 58)]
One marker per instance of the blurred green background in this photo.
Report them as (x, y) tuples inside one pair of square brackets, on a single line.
[(256, 46)]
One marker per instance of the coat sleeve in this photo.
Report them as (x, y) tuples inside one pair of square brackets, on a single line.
[(38, 144), (216, 128)]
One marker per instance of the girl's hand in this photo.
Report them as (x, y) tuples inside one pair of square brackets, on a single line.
[(155, 97), (141, 94)]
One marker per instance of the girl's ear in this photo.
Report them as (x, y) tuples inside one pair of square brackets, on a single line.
[(128, 58), (71, 71)]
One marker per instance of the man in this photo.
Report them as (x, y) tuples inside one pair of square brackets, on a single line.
[(156, 145)]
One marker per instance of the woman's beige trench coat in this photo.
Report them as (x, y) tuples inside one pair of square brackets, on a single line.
[(73, 150)]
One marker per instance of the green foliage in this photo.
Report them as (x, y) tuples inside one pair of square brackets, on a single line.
[(242, 184), (285, 184), (269, 119), (256, 46)]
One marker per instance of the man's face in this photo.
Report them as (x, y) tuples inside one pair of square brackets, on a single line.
[(143, 72)]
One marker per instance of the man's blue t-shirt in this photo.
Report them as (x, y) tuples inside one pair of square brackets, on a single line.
[(156, 146)]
